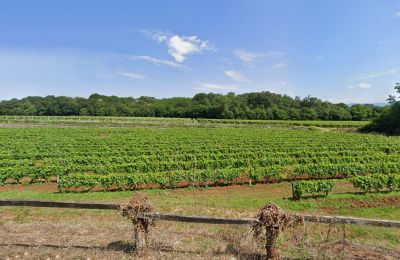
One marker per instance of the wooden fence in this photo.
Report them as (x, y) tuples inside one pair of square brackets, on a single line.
[(198, 219)]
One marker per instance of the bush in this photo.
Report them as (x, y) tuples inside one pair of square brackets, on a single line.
[(389, 120), (376, 182), (314, 187)]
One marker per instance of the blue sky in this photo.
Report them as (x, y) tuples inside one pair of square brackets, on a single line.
[(341, 51)]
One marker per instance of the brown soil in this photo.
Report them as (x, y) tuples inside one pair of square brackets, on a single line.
[(42, 187), (377, 202), (104, 136)]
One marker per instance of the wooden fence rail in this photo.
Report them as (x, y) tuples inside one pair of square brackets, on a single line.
[(198, 219)]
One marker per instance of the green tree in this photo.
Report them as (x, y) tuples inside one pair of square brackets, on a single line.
[(389, 120)]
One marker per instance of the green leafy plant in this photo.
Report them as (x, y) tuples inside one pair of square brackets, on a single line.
[(376, 182), (299, 188)]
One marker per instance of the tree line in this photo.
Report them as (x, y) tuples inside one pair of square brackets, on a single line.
[(256, 105), (389, 120)]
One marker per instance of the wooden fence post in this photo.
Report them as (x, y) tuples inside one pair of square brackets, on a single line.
[(294, 196)]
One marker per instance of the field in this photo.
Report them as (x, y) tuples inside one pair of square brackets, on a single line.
[(169, 157), (107, 121), (249, 165)]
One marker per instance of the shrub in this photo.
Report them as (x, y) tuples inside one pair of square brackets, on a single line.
[(314, 187), (376, 182)]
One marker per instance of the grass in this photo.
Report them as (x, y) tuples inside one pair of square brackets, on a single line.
[(238, 200), (230, 201)]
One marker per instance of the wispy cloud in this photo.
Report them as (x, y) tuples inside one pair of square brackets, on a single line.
[(398, 14), (281, 84), (180, 46), (155, 35), (244, 55), (279, 65), (210, 86), (319, 57), (247, 56), (236, 76), (158, 61), (362, 85), (131, 75), (377, 74)]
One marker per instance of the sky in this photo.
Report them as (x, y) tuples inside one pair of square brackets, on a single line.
[(341, 51)]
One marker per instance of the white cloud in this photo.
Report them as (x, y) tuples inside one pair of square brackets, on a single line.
[(361, 85), (279, 65), (247, 56), (155, 35), (236, 76), (158, 61), (378, 74), (319, 57), (210, 86), (244, 55), (179, 46), (131, 75), (398, 14)]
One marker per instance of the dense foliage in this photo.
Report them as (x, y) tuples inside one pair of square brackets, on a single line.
[(299, 188), (133, 157), (261, 105), (389, 121), (376, 182)]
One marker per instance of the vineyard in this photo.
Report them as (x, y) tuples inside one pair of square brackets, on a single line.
[(107, 121), (83, 159)]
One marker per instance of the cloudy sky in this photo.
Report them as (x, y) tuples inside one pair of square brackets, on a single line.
[(341, 51)]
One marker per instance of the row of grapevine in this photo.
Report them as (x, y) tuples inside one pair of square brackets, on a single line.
[(39, 154)]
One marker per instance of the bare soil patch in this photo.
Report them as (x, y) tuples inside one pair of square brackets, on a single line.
[(377, 202), (39, 187)]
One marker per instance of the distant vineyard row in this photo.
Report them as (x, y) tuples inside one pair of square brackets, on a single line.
[(167, 122), (136, 157)]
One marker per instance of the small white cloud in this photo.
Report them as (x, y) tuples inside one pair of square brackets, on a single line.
[(378, 74), (236, 76), (179, 47), (131, 75), (247, 56), (158, 61), (319, 57), (279, 65), (244, 55), (361, 85), (398, 14), (155, 35), (210, 86)]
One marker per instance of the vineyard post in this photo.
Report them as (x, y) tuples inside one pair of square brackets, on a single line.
[(293, 194)]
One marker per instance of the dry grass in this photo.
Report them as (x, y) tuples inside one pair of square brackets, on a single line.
[(110, 238), (81, 234)]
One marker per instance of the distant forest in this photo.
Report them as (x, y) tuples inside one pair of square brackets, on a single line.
[(260, 105)]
